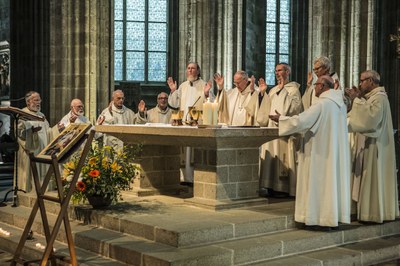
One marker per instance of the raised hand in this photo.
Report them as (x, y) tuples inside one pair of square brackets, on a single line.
[(219, 79), (100, 120), (352, 92), (141, 106), (262, 86), (309, 78), (171, 84), (252, 82), (207, 88)]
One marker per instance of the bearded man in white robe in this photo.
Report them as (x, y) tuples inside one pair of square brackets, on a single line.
[(233, 104), (116, 114), (322, 66), (191, 93), (278, 157), (161, 113), (33, 137), (374, 167), (75, 115), (323, 177)]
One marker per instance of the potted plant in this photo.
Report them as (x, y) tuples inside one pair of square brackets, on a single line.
[(106, 172)]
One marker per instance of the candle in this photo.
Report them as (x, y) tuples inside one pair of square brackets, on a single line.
[(214, 113), (207, 113)]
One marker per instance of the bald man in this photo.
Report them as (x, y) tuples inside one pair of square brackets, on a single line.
[(75, 115)]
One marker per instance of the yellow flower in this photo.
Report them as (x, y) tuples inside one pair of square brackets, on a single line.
[(70, 165), (105, 163), (67, 172), (92, 161), (115, 167)]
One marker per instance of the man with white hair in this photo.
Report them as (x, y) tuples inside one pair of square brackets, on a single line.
[(75, 115), (374, 177), (33, 137), (233, 104), (322, 66)]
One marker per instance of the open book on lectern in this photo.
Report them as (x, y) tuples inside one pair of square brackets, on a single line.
[(67, 139)]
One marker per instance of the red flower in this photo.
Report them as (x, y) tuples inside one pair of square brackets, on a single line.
[(94, 173), (80, 186)]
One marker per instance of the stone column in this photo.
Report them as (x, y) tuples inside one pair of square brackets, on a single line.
[(80, 55), (210, 33)]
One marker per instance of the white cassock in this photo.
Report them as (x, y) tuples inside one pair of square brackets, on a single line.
[(117, 116), (278, 157), (375, 180), (309, 97), (31, 142), (156, 115), (233, 107), (323, 177), (189, 93)]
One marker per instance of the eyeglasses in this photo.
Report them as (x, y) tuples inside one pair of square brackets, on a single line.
[(237, 83), (362, 80), (162, 98), (78, 106), (317, 68)]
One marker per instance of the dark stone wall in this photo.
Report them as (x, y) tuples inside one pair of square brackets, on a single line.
[(5, 20), (29, 45), (387, 60), (254, 38)]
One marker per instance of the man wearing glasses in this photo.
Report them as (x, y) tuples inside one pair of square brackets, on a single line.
[(374, 174), (75, 115), (233, 103), (161, 113), (322, 66)]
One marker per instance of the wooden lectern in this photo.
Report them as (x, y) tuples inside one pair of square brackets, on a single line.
[(17, 114), (54, 160)]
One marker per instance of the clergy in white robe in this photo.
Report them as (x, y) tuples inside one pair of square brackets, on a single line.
[(278, 157), (161, 113), (323, 177), (33, 137), (193, 92), (322, 66), (75, 115), (233, 104), (375, 181), (116, 114)]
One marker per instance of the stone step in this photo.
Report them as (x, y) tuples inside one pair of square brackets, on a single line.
[(177, 224), (368, 252), (235, 251), (32, 252)]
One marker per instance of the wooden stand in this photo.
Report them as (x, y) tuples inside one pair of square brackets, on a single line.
[(61, 199)]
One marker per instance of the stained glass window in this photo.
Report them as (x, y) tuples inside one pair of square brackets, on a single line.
[(278, 23), (140, 40)]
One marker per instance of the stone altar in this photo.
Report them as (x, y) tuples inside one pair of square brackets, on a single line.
[(225, 160)]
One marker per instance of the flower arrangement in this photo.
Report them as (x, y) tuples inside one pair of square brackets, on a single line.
[(105, 173)]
